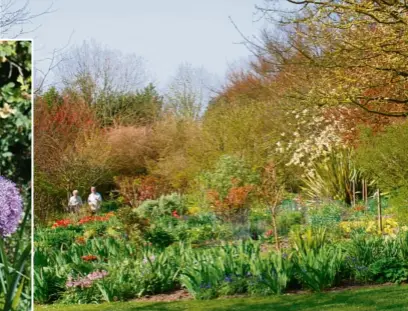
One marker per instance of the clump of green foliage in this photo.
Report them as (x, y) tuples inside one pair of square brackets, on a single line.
[(385, 157)]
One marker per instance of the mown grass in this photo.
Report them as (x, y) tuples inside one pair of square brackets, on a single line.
[(375, 298)]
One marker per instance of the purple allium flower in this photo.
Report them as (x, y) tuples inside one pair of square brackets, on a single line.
[(11, 207)]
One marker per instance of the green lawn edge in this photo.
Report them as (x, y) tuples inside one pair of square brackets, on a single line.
[(393, 297)]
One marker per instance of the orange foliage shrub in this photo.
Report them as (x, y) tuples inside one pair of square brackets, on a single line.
[(134, 190), (130, 149), (234, 206), (57, 126)]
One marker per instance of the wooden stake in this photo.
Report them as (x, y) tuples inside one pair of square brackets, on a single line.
[(366, 192), (379, 211), (354, 192)]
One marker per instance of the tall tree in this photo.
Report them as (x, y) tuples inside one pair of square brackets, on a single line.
[(96, 71), (189, 91)]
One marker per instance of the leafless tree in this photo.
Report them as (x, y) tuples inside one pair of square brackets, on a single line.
[(97, 70), (46, 67), (189, 91)]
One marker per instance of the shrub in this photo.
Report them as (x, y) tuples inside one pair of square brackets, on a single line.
[(377, 258), (228, 187), (229, 172), (59, 238), (110, 205), (388, 270), (164, 206), (15, 121), (133, 224), (326, 215), (134, 190), (385, 157), (286, 219), (130, 149), (159, 237)]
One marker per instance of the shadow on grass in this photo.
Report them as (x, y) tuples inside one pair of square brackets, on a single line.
[(382, 298), (385, 298)]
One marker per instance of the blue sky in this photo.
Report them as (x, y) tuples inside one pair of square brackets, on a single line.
[(164, 32)]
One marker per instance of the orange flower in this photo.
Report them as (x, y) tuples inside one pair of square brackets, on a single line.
[(89, 258), (80, 240), (269, 233), (61, 223), (87, 219)]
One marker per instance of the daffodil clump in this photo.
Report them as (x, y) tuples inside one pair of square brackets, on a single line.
[(390, 226)]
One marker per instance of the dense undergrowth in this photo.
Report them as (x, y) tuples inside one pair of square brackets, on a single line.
[(94, 258)]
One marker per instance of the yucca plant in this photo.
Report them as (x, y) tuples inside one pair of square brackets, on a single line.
[(333, 177)]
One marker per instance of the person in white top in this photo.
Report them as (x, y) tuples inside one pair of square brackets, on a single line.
[(94, 200), (75, 202)]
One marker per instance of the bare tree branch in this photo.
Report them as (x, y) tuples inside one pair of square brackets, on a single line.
[(15, 16)]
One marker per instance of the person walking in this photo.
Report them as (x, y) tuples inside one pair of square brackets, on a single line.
[(75, 202), (94, 200)]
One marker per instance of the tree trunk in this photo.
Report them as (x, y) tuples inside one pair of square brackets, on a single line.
[(275, 229)]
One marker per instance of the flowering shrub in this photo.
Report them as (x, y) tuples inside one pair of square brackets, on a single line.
[(316, 134)]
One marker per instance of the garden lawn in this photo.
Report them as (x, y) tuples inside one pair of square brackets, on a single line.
[(375, 298)]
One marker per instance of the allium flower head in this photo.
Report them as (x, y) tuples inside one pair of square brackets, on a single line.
[(11, 207)]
